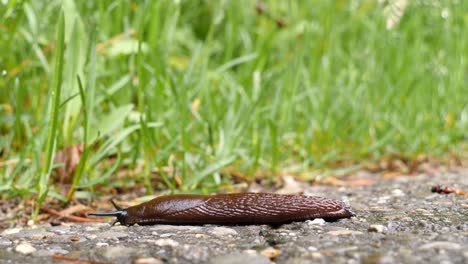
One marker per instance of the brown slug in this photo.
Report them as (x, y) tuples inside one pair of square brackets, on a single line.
[(229, 209)]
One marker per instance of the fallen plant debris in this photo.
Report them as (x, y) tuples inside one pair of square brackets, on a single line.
[(69, 158), (448, 190), (70, 217)]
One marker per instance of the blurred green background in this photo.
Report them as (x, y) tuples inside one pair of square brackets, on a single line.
[(181, 95)]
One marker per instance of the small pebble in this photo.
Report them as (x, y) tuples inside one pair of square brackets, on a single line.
[(383, 199), (119, 227), (91, 228), (377, 228), (147, 261), (312, 248), (5, 243), (398, 193), (11, 231), (271, 252), (223, 231), (91, 237), (344, 232), (316, 221), (25, 249), (166, 242)]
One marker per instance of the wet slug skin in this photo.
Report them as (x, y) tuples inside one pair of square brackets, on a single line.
[(230, 209)]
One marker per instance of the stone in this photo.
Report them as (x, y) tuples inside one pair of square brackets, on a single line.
[(91, 237), (377, 228), (223, 231), (316, 221), (313, 249), (344, 232), (166, 242), (11, 231), (75, 239), (147, 261), (119, 228), (25, 249), (5, 242), (270, 252), (92, 228), (398, 193)]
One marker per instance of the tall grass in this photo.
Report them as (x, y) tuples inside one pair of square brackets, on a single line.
[(174, 93), (56, 89)]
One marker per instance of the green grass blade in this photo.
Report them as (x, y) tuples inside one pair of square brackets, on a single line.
[(84, 157), (53, 116), (210, 169)]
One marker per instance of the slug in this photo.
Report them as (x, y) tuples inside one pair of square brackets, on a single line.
[(229, 209)]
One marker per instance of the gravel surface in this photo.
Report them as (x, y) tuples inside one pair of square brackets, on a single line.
[(397, 221)]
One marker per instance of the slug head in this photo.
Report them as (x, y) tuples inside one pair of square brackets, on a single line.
[(121, 214)]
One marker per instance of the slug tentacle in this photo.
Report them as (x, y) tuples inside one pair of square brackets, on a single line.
[(121, 214), (116, 206), (230, 209)]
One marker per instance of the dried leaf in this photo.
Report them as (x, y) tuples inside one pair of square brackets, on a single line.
[(69, 158)]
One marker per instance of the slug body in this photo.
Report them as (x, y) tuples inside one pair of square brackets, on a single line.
[(230, 209)]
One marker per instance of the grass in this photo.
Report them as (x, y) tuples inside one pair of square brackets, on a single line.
[(192, 89), (55, 97)]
